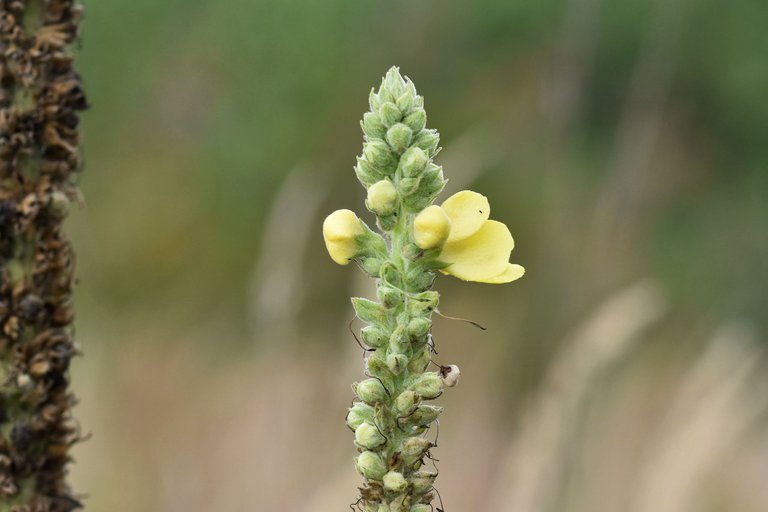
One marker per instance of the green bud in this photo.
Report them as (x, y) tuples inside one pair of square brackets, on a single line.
[(414, 449), (420, 360), (366, 173), (368, 436), (374, 336), (428, 141), (405, 102), (383, 417), (423, 303), (399, 137), (394, 481), (370, 391), (418, 327), (413, 162), (389, 296), (358, 414), (425, 415), (371, 465), (397, 363), (377, 366), (373, 127), (374, 102), (393, 82), (382, 198), (418, 279), (377, 152), (390, 114), (406, 402), (408, 186), (416, 120), (428, 385), (383, 508), (369, 311), (422, 482), (401, 504), (420, 508), (399, 341)]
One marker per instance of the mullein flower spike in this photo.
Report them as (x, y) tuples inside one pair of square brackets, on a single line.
[(390, 417)]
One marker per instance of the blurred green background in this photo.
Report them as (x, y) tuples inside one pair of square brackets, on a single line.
[(623, 142)]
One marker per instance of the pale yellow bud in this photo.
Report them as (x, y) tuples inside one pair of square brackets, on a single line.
[(382, 197), (431, 227), (340, 231)]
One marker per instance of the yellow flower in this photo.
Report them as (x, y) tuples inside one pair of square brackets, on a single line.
[(477, 249), (340, 231), (431, 227)]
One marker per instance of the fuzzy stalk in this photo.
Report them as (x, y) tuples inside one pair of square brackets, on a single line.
[(391, 416), (40, 97)]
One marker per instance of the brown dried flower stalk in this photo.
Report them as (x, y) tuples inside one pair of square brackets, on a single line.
[(40, 97)]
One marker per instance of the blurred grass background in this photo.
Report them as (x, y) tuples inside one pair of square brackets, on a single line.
[(623, 142)]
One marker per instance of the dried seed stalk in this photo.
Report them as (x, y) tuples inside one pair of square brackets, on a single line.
[(40, 97)]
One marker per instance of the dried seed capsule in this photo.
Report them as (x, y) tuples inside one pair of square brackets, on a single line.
[(450, 375)]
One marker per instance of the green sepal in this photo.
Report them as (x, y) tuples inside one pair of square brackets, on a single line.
[(390, 114), (374, 336), (381, 157), (359, 413), (416, 120), (369, 311), (420, 360), (372, 126), (424, 415), (377, 367), (427, 140)]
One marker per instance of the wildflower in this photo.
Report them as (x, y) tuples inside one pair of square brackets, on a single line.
[(431, 227), (477, 248), (340, 231)]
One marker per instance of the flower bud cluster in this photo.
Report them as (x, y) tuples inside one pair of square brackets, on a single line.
[(391, 415), (396, 163)]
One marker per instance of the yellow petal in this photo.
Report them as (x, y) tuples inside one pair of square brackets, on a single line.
[(511, 273), (482, 256), (431, 227), (340, 231), (468, 211)]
